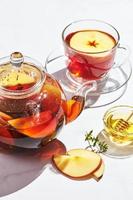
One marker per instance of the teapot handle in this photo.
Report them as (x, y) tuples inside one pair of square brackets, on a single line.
[(74, 106)]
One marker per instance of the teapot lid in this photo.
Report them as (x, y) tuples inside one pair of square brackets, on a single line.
[(19, 74)]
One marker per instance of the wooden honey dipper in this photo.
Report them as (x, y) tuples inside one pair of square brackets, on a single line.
[(122, 125)]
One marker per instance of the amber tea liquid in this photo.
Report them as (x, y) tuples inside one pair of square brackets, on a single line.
[(32, 121), (91, 53)]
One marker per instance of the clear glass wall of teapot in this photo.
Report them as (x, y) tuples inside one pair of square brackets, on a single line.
[(33, 106)]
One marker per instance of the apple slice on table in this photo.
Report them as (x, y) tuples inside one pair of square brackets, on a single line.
[(78, 163), (97, 175)]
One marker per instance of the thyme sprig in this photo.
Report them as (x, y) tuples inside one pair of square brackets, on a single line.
[(95, 144)]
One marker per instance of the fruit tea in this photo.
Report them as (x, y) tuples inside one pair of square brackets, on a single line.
[(32, 121), (90, 52)]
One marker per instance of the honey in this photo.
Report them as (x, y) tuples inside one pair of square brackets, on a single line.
[(119, 125)]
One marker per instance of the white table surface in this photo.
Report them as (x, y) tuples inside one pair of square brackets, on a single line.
[(34, 28)]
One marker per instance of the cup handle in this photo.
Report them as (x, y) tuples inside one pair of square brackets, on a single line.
[(122, 55), (86, 88)]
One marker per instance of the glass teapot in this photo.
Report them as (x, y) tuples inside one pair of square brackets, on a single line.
[(33, 106)]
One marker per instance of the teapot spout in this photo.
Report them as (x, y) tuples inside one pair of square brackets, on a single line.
[(74, 106)]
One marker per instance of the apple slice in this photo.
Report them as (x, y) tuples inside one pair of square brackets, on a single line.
[(38, 126), (32, 121), (97, 175), (77, 163), (40, 131), (92, 41), (4, 118), (11, 80)]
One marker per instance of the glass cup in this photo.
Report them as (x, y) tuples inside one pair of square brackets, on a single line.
[(118, 131), (118, 124), (86, 60)]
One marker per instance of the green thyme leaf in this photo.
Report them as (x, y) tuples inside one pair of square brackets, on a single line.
[(95, 144)]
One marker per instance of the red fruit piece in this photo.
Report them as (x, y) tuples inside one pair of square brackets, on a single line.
[(79, 67), (5, 135)]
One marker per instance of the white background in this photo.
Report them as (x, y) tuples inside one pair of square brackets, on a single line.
[(34, 27)]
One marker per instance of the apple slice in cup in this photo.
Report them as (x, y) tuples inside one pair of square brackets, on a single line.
[(78, 164), (92, 41)]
